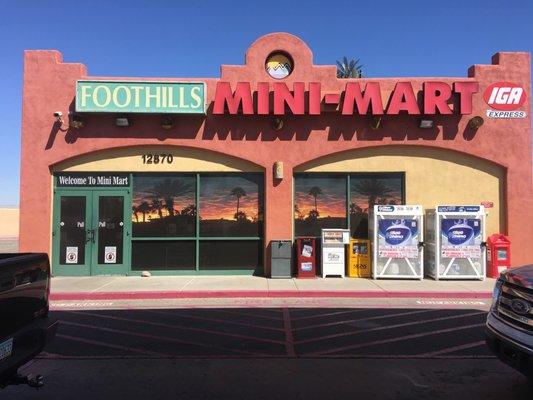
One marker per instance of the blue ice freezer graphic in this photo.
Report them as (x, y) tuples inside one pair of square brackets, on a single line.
[(460, 232), (398, 232)]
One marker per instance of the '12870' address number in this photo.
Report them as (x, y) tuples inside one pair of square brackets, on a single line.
[(157, 158)]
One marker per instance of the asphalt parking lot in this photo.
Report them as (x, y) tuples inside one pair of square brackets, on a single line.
[(263, 332), (271, 353)]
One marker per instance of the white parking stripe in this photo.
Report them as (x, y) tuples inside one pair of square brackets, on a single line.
[(387, 327), (392, 340), (384, 316), (110, 345)]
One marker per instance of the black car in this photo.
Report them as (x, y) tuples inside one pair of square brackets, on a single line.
[(25, 327)]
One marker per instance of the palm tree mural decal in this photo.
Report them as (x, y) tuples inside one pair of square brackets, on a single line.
[(355, 209), (238, 192), (169, 189), (143, 208), (134, 211), (190, 210), (315, 191), (157, 205), (297, 213), (373, 189)]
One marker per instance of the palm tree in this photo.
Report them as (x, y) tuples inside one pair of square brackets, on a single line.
[(134, 209), (143, 208), (297, 212), (240, 216), (157, 204), (169, 189), (354, 208), (315, 191), (190, 210), (238, 192), (349, 69), (313, 215), (372, 188)]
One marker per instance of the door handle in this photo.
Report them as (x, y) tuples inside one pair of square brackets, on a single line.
[(89, 236)]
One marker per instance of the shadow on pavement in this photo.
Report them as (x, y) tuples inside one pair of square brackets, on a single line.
[(272, 353)]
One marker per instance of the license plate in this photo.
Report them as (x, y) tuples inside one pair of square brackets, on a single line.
[(6, 348)]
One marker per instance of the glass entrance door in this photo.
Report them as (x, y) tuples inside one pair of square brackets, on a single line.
[(72, 233), (91, 233), (109, 237)]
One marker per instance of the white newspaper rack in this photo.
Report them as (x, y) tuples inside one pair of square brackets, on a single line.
[(334, 243), (397, 233), (455, 242)]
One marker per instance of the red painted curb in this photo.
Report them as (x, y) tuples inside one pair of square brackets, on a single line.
[(212, 294)]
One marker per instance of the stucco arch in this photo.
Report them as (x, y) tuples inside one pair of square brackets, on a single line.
[(129, 159), (432, 175)]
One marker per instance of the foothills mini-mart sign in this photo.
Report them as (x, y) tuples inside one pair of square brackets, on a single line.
[(298, 98), (140, 97), (307, 98)]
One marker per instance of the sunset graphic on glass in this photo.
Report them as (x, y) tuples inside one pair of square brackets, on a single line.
[(320, 202), (231, 205), (164, 206)]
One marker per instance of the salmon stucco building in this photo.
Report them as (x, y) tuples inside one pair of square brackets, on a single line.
[(199, 175)]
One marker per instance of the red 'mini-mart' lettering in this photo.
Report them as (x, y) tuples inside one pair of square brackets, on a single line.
[(436, 99)]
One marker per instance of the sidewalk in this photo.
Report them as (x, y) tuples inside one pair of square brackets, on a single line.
[(169, 287)]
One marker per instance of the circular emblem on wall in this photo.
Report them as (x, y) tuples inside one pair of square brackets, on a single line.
[(279, 65)]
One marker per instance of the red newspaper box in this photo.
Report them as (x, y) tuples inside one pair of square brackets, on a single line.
[(306, 257), (498, 254)]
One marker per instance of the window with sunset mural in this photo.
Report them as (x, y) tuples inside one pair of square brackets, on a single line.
[(320, 200), (164, 206), (228, 211), (231, 205), (367, 190)]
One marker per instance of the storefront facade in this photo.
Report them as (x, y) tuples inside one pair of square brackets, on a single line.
[(198, 176)]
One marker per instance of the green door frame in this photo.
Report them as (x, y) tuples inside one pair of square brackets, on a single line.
[(91, 267), (70, 269), (125, 266)]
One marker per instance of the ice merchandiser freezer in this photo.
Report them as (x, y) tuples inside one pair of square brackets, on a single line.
[(334, 243), (455, 242), (397, 233)]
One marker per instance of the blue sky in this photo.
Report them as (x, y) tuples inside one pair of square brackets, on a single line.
[(191, 39)]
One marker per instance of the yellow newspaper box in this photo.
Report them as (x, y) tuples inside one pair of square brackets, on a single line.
[(359, 259)]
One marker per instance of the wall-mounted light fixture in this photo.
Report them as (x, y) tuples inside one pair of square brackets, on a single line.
[(375, 123), (76, 121), (278, 170), (58, 115), (167, 123), (475, 122), (122, 121), (426, 124), (277, 124)]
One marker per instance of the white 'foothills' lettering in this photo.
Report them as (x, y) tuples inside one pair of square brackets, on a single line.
[(139, 96)]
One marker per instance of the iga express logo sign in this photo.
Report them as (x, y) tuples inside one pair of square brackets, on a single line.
[(505, 98)]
